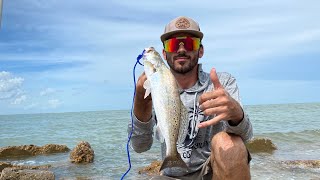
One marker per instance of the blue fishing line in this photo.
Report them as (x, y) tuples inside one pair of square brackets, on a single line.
[(134, 93)]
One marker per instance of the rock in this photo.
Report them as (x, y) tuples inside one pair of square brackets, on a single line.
[(84, 178), (304, 163), (41, 167), (82, 153), (53, 148), (31, 150), (6, 164), (257, 145), (152, 169), (26, 174), (14, 151)]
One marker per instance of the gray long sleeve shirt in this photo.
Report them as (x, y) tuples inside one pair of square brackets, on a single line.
[(197, 147)]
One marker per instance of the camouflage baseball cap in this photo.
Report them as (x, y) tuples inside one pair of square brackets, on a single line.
[(181, 24)]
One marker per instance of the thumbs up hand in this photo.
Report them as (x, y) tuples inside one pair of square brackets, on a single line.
[(218, 102)]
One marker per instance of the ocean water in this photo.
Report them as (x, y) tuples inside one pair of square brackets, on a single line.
[(294, 128)]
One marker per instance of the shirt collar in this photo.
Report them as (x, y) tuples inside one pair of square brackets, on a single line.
[(203, 80)]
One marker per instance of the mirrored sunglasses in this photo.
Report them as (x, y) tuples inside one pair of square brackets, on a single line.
[(189, 43)]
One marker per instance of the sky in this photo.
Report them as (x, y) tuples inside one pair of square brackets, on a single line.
[(70, 56)]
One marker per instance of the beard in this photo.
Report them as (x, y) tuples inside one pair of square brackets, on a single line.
[(183, 67)]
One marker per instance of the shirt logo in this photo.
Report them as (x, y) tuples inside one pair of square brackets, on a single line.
[(195, 115)]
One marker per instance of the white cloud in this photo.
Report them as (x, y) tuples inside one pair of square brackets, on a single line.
[(10, 86), (19, 100), (48, 92), (54, 103), (31, 106)]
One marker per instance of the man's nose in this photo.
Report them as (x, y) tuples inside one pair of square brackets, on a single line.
[(181, 49)]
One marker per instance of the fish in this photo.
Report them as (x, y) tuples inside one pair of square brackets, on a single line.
[(171, 114)]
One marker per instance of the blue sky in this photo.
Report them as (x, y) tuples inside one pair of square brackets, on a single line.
[(60, 56)]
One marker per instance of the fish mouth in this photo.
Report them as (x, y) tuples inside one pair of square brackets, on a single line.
[(149, 49)]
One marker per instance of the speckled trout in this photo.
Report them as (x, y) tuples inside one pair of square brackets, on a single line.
[(171, 114)]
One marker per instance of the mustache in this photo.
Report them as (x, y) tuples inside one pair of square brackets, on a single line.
[(181, 56)]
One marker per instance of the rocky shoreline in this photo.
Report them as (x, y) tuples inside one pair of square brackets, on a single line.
[(82, 153), (256, 145)]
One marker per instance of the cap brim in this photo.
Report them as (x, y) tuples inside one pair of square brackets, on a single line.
[(165, 36)]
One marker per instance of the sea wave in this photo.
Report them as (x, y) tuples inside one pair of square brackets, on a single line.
[(305, 136)]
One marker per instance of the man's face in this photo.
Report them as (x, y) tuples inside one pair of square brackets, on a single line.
[(183, 61)]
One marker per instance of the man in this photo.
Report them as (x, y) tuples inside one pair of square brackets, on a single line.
[(218, 126)]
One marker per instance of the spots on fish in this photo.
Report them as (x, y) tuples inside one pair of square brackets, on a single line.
[(175, 123)]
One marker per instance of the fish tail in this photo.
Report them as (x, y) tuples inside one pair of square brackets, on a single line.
[(173, 161)]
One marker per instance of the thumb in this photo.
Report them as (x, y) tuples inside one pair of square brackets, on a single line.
[(215, 79)]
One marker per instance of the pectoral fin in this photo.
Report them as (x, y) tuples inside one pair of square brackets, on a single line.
[(147, 86)]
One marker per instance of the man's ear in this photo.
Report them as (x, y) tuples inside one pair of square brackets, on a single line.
[(201, 51), (164, 54)]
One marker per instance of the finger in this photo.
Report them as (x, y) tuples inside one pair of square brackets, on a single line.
[(210, 95), (215, 110), (207, 97), (211, 122), (210, 104), (215, 79), (142, 77), (140, 90)]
